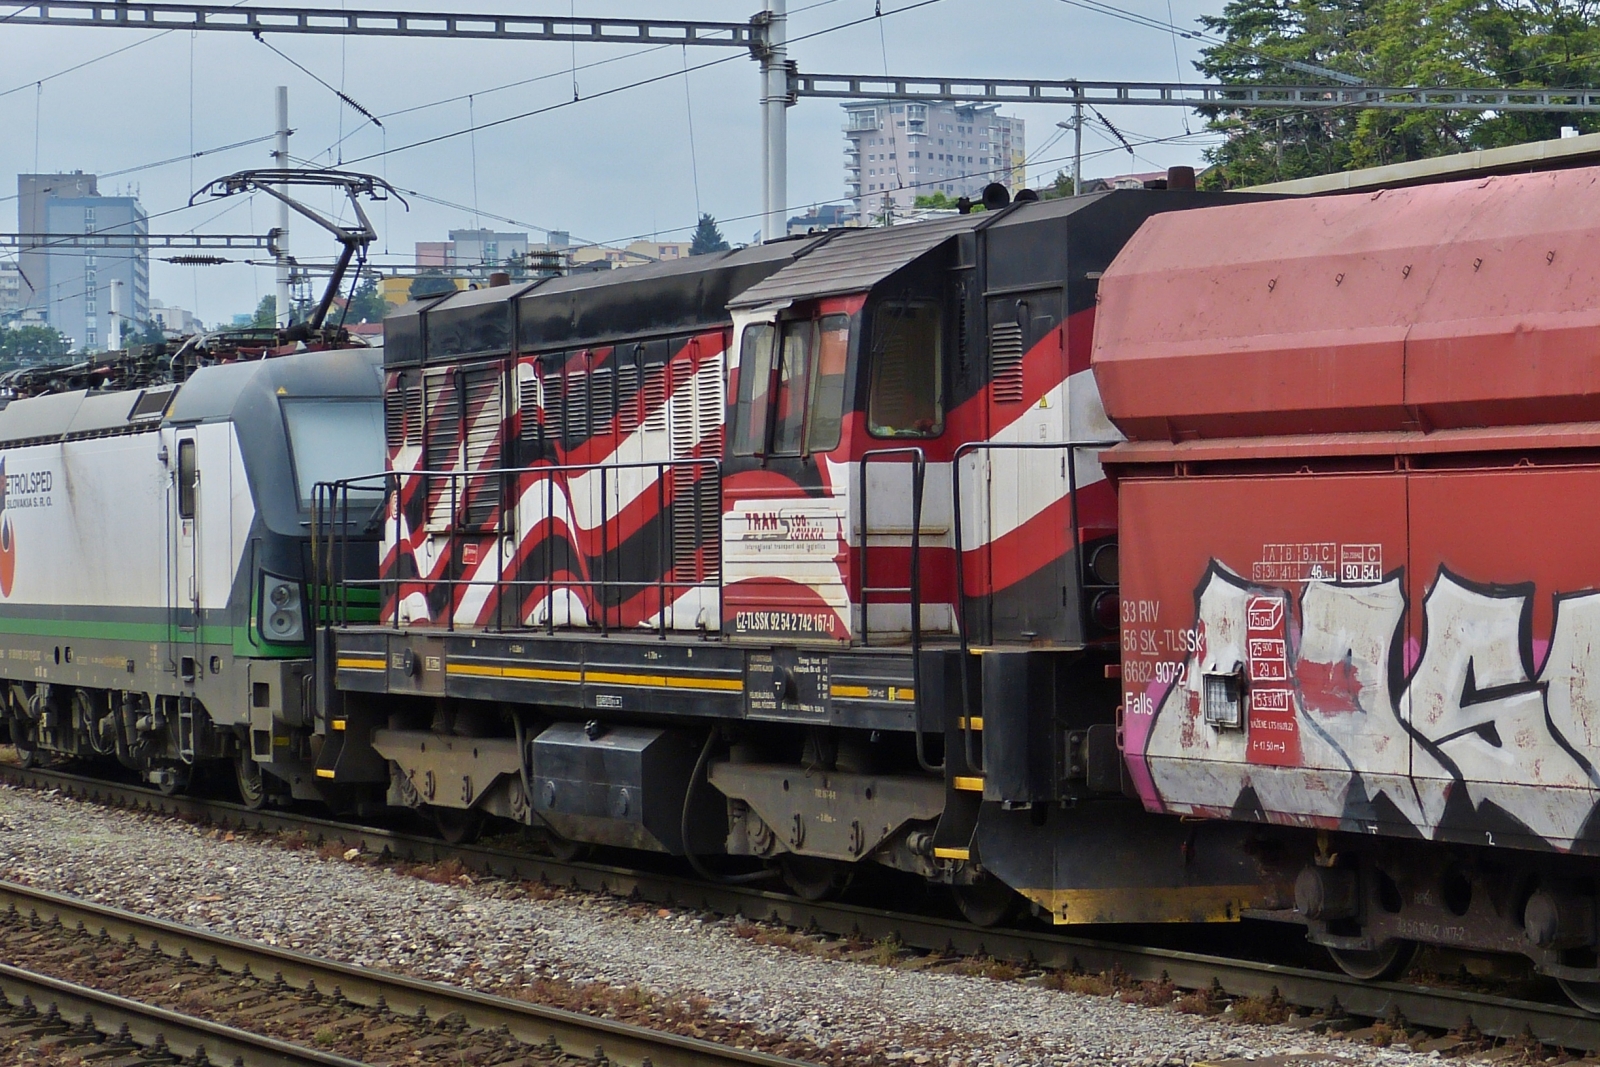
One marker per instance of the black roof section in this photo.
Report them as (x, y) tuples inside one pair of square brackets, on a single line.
[(602, 307)]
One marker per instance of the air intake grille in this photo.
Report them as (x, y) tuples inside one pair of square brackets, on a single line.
[(528, 398), (1005, 361)]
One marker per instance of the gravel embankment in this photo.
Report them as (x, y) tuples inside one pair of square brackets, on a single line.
[(523, 939)]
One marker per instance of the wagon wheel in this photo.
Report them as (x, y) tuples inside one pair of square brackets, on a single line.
[(456, 825), (1388, 960), (1585, 995), (810, 878), (174, 781), (987, 901), (564, 850), (252, 788)]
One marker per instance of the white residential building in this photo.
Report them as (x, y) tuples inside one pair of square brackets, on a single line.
[(896, 152)]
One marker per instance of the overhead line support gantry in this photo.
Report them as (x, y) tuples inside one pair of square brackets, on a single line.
[(782, 84)]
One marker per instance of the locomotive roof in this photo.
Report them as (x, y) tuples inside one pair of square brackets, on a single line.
[(849, 261), (591, 308), (855, 260), (211, 392)]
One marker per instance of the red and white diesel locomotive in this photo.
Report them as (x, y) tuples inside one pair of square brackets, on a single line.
[(1147, 556), (801, 552)]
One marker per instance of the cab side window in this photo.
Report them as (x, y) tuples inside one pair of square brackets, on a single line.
[(794, 387), (906, 393), (755, 379), (827, 391), (188, 477)]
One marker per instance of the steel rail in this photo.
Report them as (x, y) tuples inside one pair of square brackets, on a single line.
[(534, 1024), (148, 1023), (1551, 1023)]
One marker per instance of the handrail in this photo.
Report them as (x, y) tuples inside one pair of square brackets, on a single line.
[(328, 497), (962, 635), (919, 466)]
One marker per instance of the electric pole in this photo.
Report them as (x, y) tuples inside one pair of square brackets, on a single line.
[(280, 159), (775, 100)]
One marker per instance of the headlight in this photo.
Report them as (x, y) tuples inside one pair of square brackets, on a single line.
[(1105, 565), (282, 619)]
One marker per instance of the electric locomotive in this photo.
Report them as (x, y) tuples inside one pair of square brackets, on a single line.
[(800, 552), (153, 554)]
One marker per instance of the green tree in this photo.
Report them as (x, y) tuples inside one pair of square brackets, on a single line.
[(936, 199), (266, 313), (366, 303), (31, 343), (1059, 187), (150, 333), (1490, 43), (707, 238)]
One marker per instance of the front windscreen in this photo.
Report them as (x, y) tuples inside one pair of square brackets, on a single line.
[(334, 439)]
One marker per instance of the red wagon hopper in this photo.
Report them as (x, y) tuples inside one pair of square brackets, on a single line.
[(1358, 510)]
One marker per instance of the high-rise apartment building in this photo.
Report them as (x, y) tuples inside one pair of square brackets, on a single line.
[(896, 152), (75, 288), (472, 248), (10, 291)]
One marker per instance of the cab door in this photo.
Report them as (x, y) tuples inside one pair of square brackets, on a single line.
[(786, 495), (1031, 593), (184, 551)]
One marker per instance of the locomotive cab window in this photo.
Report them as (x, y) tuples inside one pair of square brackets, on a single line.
[(827, 390), (906, 396), (334, 439), (791, 386), (755, 379), (188, 475)]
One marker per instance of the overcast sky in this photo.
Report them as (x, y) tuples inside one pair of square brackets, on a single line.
[(607, 169)]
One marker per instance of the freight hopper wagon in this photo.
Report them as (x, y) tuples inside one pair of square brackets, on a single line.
[(153, 550), (1359, 507), (785, 553)]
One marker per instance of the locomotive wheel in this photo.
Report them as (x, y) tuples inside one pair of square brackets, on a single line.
[(810, 878), (1387, 961), (986, 902), (1585, 995), (27, 756), (175, 781), (252, 789), (457, 826)]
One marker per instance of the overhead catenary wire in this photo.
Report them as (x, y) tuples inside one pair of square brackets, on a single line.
[(87, 62), (637, 84), (688, 106), (302, 68), (171, 160), (1201, 137)]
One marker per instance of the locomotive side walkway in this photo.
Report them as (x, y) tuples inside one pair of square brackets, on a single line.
[(580, 950)]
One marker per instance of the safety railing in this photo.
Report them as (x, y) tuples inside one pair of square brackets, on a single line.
[(688, 529), (913, 591), (963, 632)]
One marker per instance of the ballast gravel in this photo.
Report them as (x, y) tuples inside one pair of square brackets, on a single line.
[(479, 935)]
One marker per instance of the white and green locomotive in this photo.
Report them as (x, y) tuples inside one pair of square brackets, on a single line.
[(154, 546)]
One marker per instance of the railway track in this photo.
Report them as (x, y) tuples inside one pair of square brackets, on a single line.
[(1551, 1023), (74, 1015), (551, 1030)]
